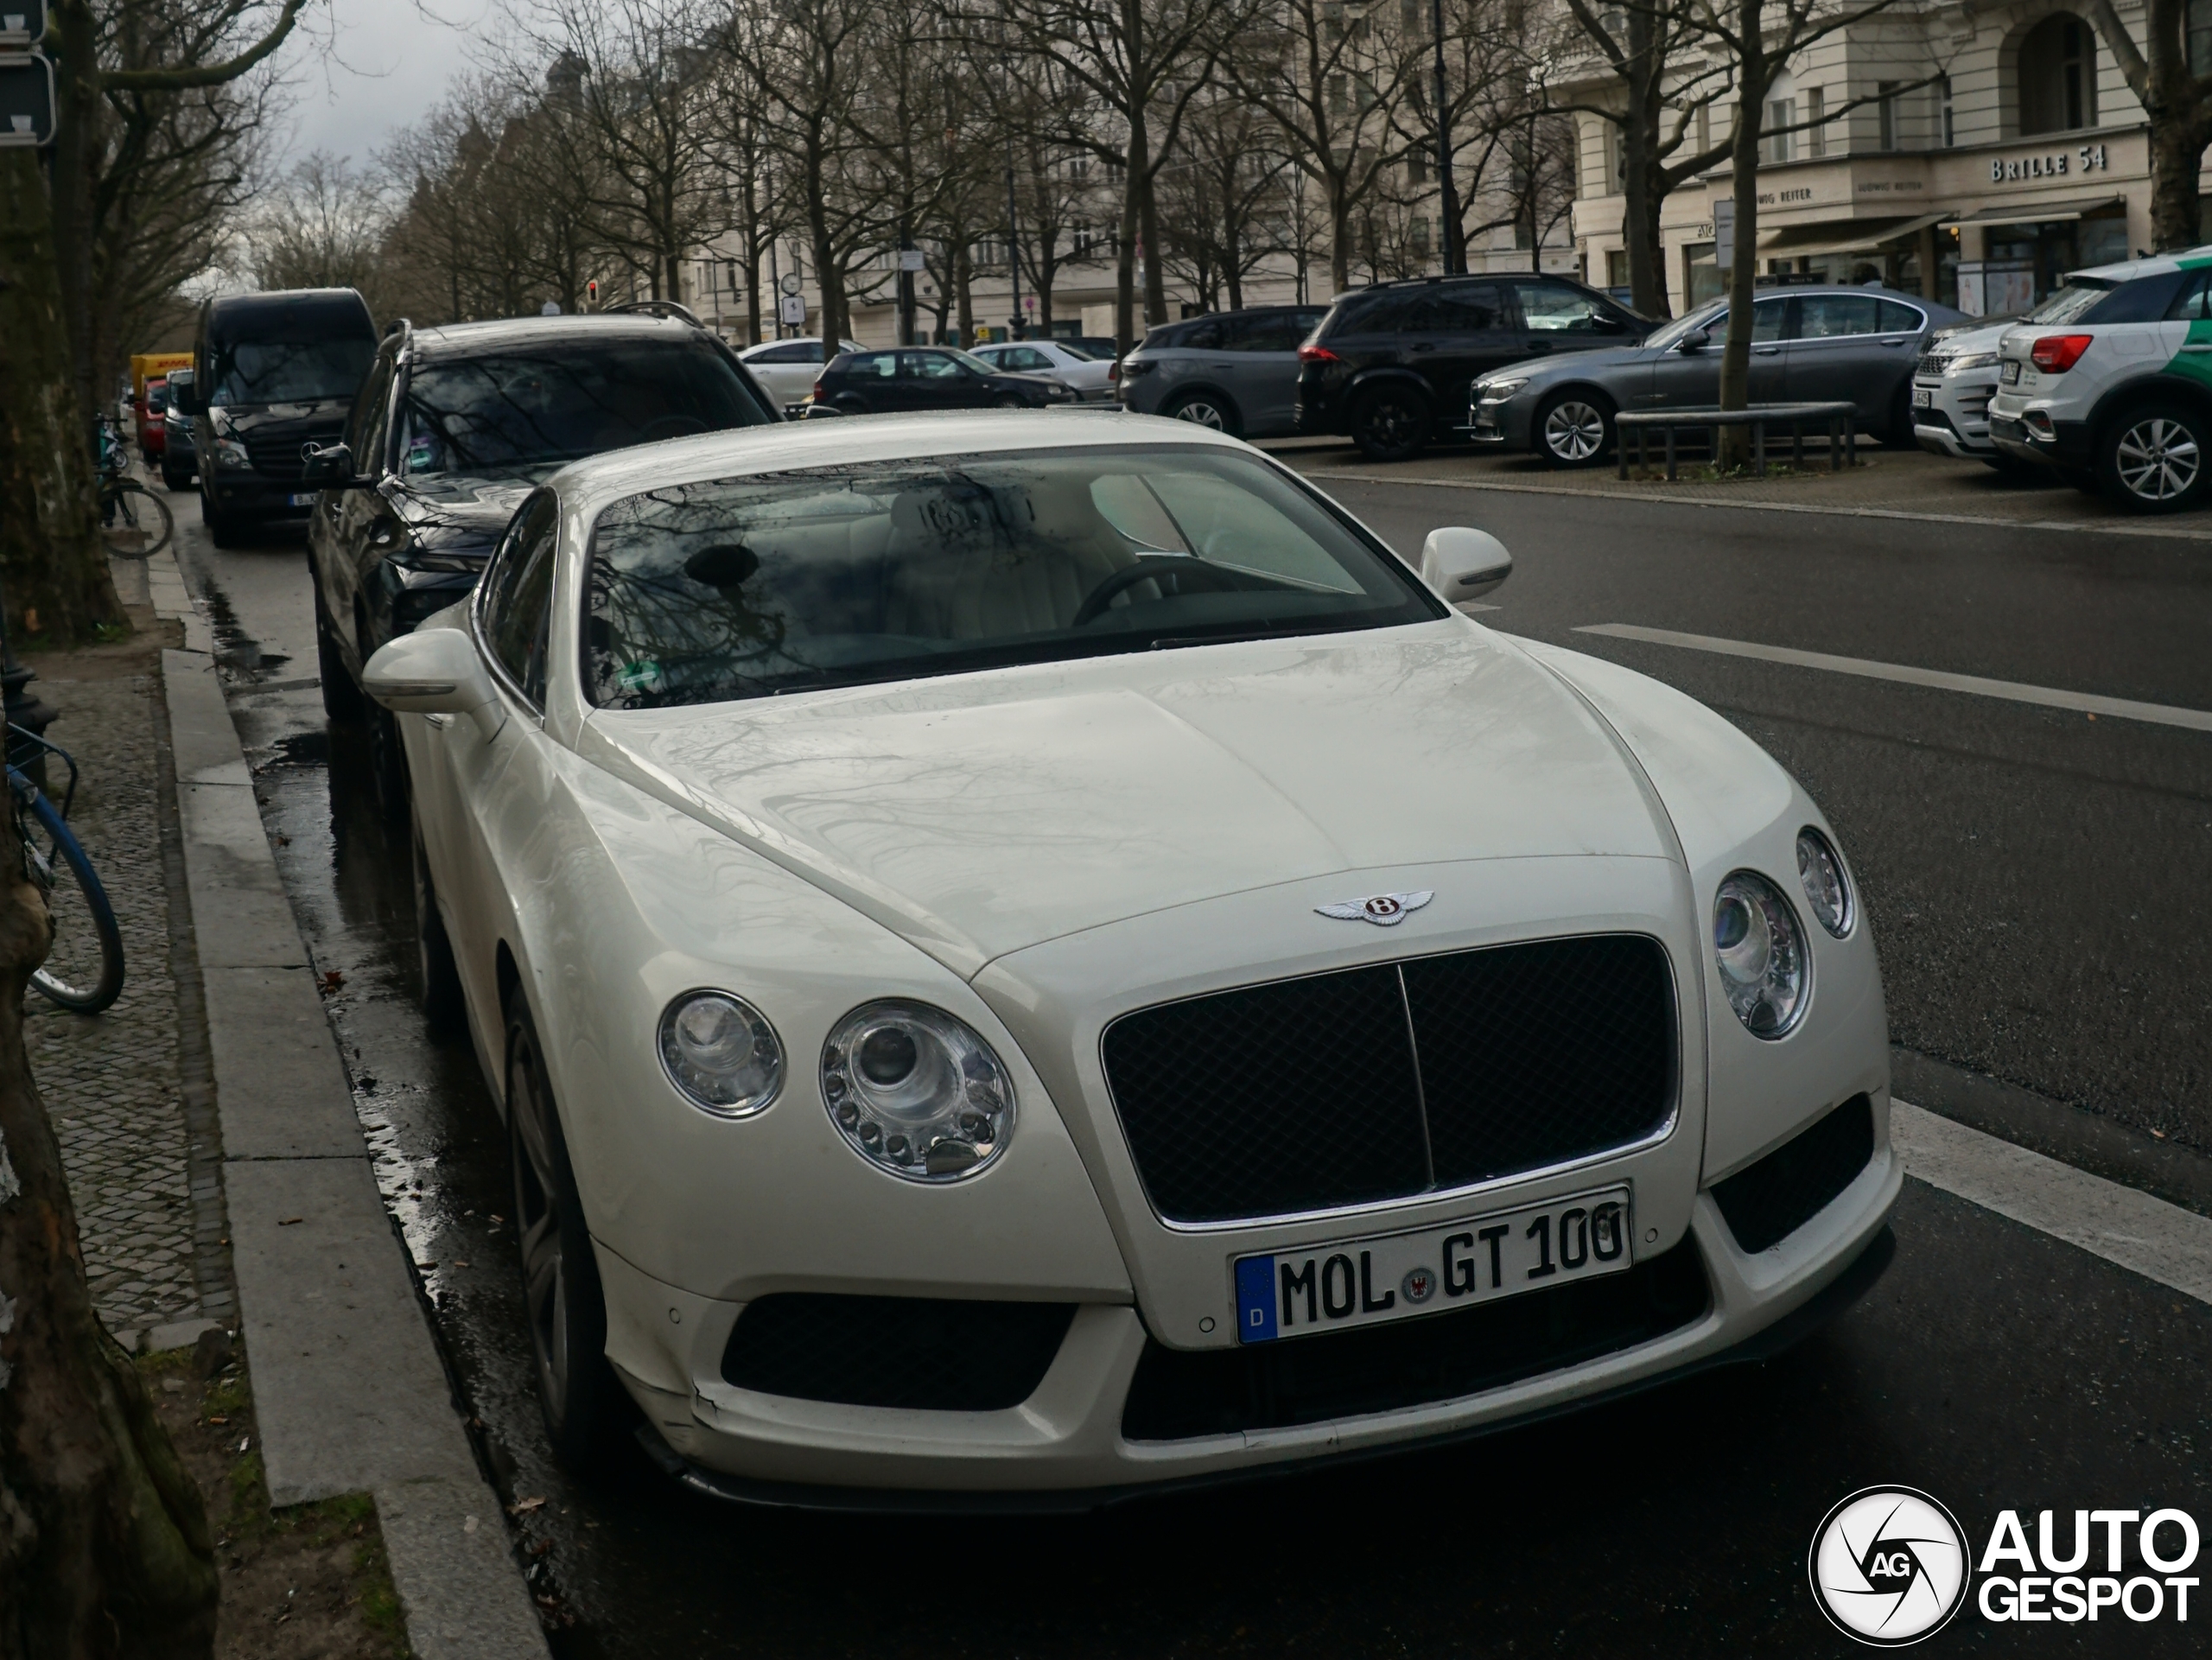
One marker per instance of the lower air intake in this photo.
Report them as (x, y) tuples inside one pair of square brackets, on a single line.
[(935, 1354), (1763, 1204)]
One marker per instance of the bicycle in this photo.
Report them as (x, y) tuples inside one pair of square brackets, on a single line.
[(83, 972), (130, 513)]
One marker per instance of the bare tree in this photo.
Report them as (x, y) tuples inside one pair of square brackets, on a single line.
[(1222, 200), (2171, 77), (320, 226)]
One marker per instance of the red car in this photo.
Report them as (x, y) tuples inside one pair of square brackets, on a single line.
[(148, 413)]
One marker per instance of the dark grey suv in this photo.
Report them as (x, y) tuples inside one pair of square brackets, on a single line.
[(1235, 372)]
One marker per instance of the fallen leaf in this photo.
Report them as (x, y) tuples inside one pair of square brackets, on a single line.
[(289, 1220), (331, 979), (522, 1505), (457, 1263)]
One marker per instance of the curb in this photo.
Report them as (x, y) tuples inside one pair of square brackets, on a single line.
[(349, 1390)]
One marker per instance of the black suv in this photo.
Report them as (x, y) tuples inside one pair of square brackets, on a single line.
[(453, 428), (1390, 364), (928, 378)]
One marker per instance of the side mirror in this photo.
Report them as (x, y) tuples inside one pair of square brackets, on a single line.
[(435, 671), (1697, 339), (186, 396), (1461, 563), (329, 467)]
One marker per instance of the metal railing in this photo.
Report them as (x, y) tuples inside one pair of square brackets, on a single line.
[(1840, 420)]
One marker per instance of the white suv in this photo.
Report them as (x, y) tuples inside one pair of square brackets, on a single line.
[(1952, 386), (2109, 382)]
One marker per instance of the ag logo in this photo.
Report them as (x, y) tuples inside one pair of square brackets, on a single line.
[(1888, 1565)]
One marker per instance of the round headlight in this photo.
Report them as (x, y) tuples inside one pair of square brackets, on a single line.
[(1826, 888), (722, 1052), (1760, 948), (915, 1091)]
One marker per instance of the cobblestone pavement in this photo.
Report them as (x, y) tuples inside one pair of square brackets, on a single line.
[(111, 1082)]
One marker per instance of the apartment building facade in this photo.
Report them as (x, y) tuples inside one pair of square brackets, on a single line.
[(1999, 148)]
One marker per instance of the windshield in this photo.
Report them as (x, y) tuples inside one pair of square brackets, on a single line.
[(1705, 317), (289, 371), (514, 411), (883, 570), (2070, 302)]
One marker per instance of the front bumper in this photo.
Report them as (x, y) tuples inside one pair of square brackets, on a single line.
[(1957, 423), (239, 494), (1498, 426), (1064, 1448)]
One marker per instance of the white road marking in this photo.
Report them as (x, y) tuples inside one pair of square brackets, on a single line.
[(2144, 1235), (1975, 685)]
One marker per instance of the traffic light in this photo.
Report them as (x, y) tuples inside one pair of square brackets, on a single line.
[(591, 291)]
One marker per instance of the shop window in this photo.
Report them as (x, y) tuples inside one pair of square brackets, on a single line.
[(2056, 75)]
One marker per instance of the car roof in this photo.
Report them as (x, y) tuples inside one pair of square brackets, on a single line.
[(467, 340), (597, 480), (2154, 265)]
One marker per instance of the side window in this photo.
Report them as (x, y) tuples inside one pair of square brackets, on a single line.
[(1268, 331), (518, 593), (1831, 316), (1768, 318), (1025, 358), (932, 366), (1308, 321), (1201, 336), (1464, 309), (1553, 308), (367, 419), (873, 363), (1382, 315), (1900, 319)]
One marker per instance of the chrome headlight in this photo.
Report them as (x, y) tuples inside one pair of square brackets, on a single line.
[(915, 1091), (1496, 391), (1760, 948), (1969, 360), (722, 1052), (1827, 890), (229, 452)]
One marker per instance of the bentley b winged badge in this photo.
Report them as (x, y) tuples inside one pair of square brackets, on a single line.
[(1383, 910)]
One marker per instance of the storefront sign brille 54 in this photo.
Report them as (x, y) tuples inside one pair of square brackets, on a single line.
[(2058, 164)]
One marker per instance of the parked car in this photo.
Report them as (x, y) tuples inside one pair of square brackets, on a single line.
[(454, 428), (905, 880), (1102, 346), (1235, 372), (2106, 384), (787, 369), (928, 378), (1390, 365), (149, 412), (273, 374), (1951, 389), (1091, 379), (179, 463), (1808, 345)]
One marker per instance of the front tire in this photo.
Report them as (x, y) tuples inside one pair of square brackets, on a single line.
[(1390, 424), (2156, 459), (223, 529), (582, 1403), (443, 1006), (342, 699), (1574, 429)]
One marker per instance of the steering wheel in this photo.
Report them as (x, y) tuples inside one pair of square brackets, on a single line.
[(1154, 567), (672, 426)]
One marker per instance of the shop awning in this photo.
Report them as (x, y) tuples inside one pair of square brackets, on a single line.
[(2048, 213), (1845, 236)]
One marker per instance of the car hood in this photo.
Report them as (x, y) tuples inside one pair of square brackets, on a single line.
[(979, 814), (465, 503), (1550, 367), (272, 421)]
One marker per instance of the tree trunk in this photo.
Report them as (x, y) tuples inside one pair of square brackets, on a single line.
[(56, 570), (1156, 267), (105, 1551), (1743, 271), (963, 290), (1340, 233), (2176, 154), (1125, 271)]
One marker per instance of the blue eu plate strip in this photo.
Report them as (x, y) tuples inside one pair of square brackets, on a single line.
[(1255, 1300)]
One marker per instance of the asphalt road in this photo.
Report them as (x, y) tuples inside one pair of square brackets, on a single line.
[(2035, 882)]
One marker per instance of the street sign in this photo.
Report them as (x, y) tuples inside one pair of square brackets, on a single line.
[(26, 99), (790, 285), (1724, 232), (910, 259), (792, 309), (551, 309), (22, 24)]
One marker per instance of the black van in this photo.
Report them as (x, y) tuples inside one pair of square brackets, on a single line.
[(272, 374)]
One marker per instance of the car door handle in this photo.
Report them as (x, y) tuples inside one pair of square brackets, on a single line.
[(1540, 345), (1767, 351), (1896, 342), (2201, 346)]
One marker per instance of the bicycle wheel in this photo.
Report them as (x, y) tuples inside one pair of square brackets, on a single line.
[(141, 522), (83, 972)]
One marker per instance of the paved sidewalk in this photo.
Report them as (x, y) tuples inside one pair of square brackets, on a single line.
[(1909, 484)]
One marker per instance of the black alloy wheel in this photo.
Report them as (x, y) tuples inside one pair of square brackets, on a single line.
[(1010, 401), (582, 1403), (444, 1006), (342, 699), (2155, 458), (1204, 410), (1573, 429), (175, 482), (1390, 424)]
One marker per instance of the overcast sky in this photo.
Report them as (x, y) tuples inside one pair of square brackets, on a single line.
[(390, 61)]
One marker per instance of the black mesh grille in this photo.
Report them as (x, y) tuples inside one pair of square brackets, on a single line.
[(1177, 1394), (895, 1352), (274, 458), (1298, 1096), (1767, 1202), (1302, 1095), (1536, 1054)]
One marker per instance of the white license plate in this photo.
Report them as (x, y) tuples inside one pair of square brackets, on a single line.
[(307, 501), (1402, 1276), (2010, 373), (1924, 398)]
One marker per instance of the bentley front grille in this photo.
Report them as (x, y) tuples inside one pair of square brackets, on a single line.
[(1397, 1079)]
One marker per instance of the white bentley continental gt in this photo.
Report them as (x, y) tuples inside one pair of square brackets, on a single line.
[(1029, 958)]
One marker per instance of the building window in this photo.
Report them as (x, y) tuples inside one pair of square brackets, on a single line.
[(1416, 168), (1419, 228), (2198, 15), (1888, 111), (1616, 267), (2056, 75), (1409, 17), (1816, 135), (1777, 145), (1944, 115)]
